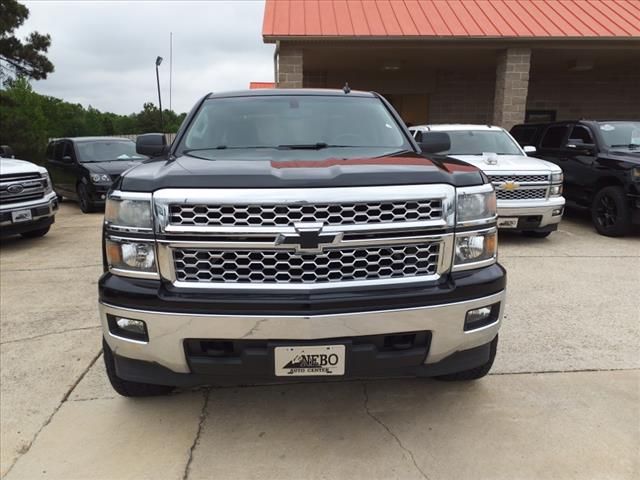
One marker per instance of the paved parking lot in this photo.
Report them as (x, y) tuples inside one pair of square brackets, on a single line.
[(563, 401)]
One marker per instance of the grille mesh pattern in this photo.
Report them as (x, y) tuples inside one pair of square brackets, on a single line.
[(521, 194), (519, 178), (287, 215), (273, 267), (32, 187)]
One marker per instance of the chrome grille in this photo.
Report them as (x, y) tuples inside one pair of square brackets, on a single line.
[(287, 267), (521, 194), (287, 214), (519, 178), (32, 187)]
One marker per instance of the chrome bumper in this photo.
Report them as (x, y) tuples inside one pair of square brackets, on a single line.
[(523, 208), (167, 331), (50, 201)]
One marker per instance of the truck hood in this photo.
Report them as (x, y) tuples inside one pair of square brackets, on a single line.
[(509, 163), (406, 168), (110, 167), (11, 166)]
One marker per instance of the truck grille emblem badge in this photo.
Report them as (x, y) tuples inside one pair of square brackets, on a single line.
[(308, 238), (510, 186), (16, 188)]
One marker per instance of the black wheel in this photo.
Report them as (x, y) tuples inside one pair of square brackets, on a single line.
[(474, 373), (83, 197), (610, 212), (536, 234), (126, 388), (41, 232)]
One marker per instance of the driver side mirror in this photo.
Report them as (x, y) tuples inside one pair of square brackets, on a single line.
[(529, 149), (433, 142), (579, 146), (152, 144)]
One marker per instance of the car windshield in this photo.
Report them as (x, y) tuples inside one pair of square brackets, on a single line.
[(104, 150), (621, 134), (258, 127), (477, 142)]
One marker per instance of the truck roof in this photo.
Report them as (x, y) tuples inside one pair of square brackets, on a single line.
[(266, 92), (455, 127)]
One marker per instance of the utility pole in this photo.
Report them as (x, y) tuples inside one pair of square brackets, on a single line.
[(170, 66)]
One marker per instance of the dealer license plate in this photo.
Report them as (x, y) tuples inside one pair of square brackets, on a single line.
[(508, 222), (324, 360), (21, 216)]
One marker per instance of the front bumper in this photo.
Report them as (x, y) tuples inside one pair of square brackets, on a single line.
[(42, 210), (533, 214), (168, 331)]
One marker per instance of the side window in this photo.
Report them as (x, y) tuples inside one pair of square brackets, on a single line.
[(554, 136), (50, 150), (68, 150), (417, 134), (524, 135), (580, 134), (59, 151)]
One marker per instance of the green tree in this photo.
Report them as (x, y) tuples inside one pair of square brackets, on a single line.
[(21, 58)]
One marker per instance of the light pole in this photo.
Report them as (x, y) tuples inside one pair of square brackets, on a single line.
[(158, 62)]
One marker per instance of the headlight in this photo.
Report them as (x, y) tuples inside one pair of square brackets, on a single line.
[(557, 177), (47, 185), (131, 255), (475, 249), (556, 190), (128, 210), (476, 205), (100, 178)]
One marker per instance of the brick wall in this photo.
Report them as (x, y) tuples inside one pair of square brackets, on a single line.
[(512, 82), (596, 94), (462, 97), (290, 61)]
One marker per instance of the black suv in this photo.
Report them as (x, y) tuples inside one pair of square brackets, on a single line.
[(601, 165), (83, 168)]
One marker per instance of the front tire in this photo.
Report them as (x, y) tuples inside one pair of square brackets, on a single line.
[(125, 387), (536, 234), (83, 198), (610, 212), (41, 232), (473, 373)]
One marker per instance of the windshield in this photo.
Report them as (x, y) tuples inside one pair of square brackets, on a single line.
[(311, 123), (477, 142), (621, 134), (103, 150)]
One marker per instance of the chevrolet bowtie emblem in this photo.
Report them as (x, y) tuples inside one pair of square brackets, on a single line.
[(309, 238), (510, 186)]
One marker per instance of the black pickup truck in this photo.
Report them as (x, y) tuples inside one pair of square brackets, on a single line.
[(601, 165), (297, 234)]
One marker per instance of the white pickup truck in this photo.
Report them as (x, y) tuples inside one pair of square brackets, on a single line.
[(28, 203), (529, 190)]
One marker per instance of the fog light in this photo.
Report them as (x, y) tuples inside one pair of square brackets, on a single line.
[(556, 212), (479, 317), (128, 328), (103, 196)]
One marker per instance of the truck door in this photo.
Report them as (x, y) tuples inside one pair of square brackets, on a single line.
[(579, 155)]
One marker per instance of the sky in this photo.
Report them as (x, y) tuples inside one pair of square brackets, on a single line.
[(104, 51)]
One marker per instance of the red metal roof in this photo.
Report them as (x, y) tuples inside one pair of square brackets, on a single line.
[(451, 18), (255, 85)]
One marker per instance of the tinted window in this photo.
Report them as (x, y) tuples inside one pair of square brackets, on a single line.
[(525, 135), (477, 142), (272, 122), (104, 150), (59, 149), (581, 134), (50, 150), (553, 137)]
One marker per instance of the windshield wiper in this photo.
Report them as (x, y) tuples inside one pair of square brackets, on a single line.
[(312, 146), (626, 145)]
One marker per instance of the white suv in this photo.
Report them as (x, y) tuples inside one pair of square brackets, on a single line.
[(529, 190)]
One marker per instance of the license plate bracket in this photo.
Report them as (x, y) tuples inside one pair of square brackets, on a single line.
[(19, 216), (309, 360)]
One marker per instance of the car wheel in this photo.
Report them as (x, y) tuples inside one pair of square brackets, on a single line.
[(83, 197), (610, 212), (536, 234), (41, 232), (473, 373), (126, 388)]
